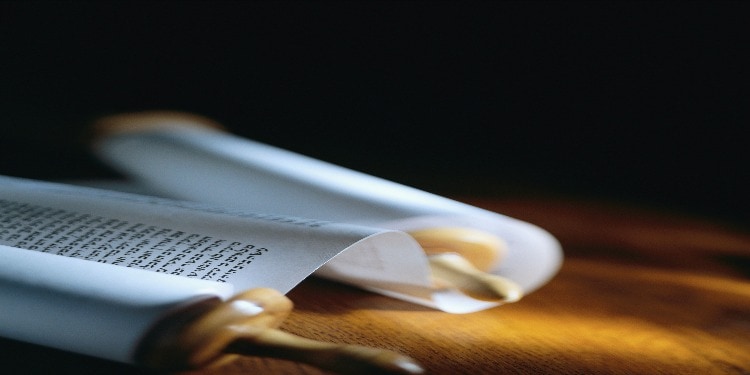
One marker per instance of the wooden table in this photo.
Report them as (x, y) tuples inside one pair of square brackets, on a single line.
[(640, 292)]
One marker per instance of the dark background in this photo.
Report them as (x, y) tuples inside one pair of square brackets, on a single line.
[(643, 103)]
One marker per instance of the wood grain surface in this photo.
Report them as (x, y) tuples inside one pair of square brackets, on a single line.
[(640, 292)]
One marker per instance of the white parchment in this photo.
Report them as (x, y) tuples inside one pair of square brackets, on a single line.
[(207, 165)]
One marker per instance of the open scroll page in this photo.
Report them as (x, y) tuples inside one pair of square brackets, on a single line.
[(211, 243), (180, 159)]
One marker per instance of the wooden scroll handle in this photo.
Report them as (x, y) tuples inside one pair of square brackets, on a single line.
[(214, 332), (460, 257)]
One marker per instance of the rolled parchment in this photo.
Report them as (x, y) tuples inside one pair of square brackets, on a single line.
[(159, 321)]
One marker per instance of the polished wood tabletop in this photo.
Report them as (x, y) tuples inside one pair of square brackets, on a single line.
[(640, 292)]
